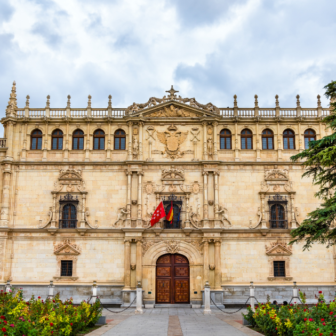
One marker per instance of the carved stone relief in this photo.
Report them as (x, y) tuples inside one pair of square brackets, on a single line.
[(172, 112)]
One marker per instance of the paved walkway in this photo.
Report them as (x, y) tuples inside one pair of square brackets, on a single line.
[(173, 322)]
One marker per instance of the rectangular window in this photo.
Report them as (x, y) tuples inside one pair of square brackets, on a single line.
[(264, 143), (249, 143), (96, 142), (270, 143), (291, 143), (222, 144), (66, 267), (279, 268), (102, 143), (54, 143), (60, 143), (81, 143), (75, 143), (123, 143), (228, 143), (285, 143), (243, 144), (33, 143), (39, 143)]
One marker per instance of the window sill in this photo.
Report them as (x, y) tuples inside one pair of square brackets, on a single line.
[(65, 278), (280, 278)]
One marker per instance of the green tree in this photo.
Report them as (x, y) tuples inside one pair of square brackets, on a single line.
[(320, 163)]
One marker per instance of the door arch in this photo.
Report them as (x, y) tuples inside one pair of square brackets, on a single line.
[(172, 279)]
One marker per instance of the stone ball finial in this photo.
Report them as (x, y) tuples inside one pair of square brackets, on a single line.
[(48, 101), (89, 101), (297, 100), (318, 101), (255, 100), (235, 100), (109, 101), (276, 101), (27, 100), (69, 102)]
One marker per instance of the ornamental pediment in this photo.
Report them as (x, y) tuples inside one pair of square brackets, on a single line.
[(172, 106), (278, 249), (67, 248)]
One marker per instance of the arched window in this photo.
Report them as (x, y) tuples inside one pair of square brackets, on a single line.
[(267, 139), (99, 139), (119, 140), (36, 140), (309, 135), (225, 139), (57, 139), (78, 139), (288, 139), (69, 217), (246, 139), (278, 217)]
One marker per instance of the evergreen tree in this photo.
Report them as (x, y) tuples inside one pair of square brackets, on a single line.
[(320, 163)]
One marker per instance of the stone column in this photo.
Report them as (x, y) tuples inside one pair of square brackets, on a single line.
[(128, 201), (205, 200), (53, 222), (108, 152), (218, 266), (293, 222), (205, 155), (263, 219), (82, 222), (139, 261), (206, 261), (216, 176), (87, 147), (127, 263), (24, 145), (4, 221), (139, 221), (237, 145), (9, 144), (130, 134), (215, 135), (45, 143), (140, 141), (187, 221), (66, 144)]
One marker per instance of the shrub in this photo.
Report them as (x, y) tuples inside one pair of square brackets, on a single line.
[(41, 318)]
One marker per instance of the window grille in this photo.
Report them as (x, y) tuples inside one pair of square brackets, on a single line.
[(278, 212), (68, 212), (279, 268), (66, 267)]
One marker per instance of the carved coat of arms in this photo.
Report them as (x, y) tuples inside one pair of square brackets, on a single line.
[(172, 139)]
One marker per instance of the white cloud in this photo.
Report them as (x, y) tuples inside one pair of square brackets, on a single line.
[(136, 49)]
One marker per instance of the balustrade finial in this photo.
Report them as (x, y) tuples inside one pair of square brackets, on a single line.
[(277, 101), (298, 101), (255, 100), (69, 102), (48, 101), (27, 101), (235, 101), (89, 101), (109, 101), (318, 101)]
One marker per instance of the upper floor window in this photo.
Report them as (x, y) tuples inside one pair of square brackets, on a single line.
[(309, 135), (99, 139), (279, 267), (225, 139), (246, 139), (69, 217), (267, 139), (36, 139), (66, 267), (57, 139), (120, 140), (78, 139), (288, 139)]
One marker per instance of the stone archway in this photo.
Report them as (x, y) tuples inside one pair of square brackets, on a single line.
[(183, 248)]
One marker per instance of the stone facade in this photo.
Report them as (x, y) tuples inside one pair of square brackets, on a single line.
[(173, 146)]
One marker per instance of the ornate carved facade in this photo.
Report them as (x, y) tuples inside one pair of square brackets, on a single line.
[(92, 178)]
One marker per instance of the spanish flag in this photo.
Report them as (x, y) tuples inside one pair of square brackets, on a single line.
[(170, 215)]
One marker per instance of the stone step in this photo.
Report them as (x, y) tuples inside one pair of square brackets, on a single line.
[(170, 305)]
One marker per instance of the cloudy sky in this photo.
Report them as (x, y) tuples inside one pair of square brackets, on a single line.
[(135, 49)]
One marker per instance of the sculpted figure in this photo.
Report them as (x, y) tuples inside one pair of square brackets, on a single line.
[(135, 146), (121, 216), (210, 146), (221, 210)]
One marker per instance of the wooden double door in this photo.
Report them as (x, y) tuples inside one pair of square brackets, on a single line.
[(172, 279)]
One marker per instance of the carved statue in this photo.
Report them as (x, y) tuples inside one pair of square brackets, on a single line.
[(194, 219), (259, 219), (121, 216), (209, 146), (221, 210), (135, 146)]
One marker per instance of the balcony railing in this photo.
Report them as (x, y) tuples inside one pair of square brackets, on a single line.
[(3, 143), (278, 224), (173, 225), (67, 223), (96, 113)]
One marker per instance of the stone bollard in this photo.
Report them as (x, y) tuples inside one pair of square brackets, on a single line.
[(51, 290), (252, 299), (139, 299), (94, 292), (207, 310), (7, 286), (295, 290)]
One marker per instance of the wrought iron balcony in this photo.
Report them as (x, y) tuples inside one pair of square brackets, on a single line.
[(67, 223), (278, 224)]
